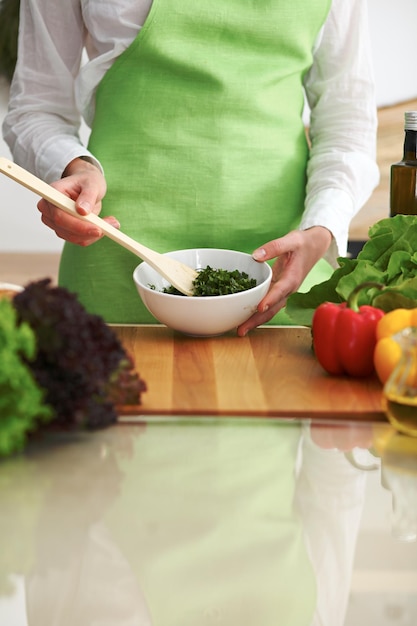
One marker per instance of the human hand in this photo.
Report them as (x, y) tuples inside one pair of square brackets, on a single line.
[(84, 183), (296, 253)]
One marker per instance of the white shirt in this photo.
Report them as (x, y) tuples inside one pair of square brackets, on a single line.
[(53, 89)]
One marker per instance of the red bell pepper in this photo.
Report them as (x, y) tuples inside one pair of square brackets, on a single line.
[(344, 335)]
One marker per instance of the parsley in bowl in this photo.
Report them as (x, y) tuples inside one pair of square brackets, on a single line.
[(206, 314)]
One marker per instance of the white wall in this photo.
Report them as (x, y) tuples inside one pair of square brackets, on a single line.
[(21, 229), (393, 35), (393, 27)]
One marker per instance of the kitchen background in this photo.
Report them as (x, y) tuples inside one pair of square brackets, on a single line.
[(393, 26)]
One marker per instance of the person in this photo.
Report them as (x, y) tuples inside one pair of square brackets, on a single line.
[(198, 134)]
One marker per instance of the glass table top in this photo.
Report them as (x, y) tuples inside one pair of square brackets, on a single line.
[(186, 522)]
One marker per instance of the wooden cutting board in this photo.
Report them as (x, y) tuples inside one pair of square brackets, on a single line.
[(272, 372)]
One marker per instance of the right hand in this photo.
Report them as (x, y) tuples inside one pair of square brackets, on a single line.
[(84, 183)]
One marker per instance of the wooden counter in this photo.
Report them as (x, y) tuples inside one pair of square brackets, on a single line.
[(270, 373)]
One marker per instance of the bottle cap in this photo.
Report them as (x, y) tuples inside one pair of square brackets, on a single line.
[(410, 120)]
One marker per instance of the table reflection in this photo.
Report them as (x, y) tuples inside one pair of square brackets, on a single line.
[(184, 523), (399, 476)]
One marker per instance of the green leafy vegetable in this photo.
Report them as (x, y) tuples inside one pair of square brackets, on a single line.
[(217, 282), (22, 406), (79, 360), (59, 366), (389, 257), (212, 282)]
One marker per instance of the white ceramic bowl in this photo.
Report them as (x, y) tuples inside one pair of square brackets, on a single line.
[(203, 316)]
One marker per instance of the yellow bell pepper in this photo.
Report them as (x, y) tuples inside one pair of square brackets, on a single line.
[(387, 350)]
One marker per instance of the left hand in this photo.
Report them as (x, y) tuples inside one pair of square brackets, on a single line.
[(296, 253)]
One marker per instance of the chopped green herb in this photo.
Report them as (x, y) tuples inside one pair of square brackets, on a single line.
[(171, 290), (212, 282)]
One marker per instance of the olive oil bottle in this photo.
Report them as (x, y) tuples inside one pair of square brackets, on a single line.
[(403, 187), (401, 412), (399, 396)]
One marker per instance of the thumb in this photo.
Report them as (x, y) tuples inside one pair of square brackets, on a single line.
[(83, 204), (89, 198)]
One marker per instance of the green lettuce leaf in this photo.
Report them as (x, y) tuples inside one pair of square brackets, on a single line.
[(21, 399), (301, 306), (389, 257)]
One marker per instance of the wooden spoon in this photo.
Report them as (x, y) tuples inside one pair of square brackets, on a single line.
[(177, 274)]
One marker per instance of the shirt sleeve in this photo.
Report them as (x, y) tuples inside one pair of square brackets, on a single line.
[(342, 170), (42, 125), (329, 497)]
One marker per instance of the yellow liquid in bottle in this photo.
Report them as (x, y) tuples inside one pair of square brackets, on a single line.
[(402, 413)]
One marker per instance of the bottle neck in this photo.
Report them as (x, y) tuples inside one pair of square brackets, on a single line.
[(410, 145)]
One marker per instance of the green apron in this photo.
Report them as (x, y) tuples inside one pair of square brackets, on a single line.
[(199, 129)]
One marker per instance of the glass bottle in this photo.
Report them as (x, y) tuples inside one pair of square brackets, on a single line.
[(400, 390), (403, 186)]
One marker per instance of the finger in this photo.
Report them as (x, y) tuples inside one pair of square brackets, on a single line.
[(83, 207), (269, 306), (259, 318), (278, 292), (60, 220), (83, 234), (68, 227), (89, 197), (113, 221), (290, 242), (274, 301), (68, 222), (83, 237)]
